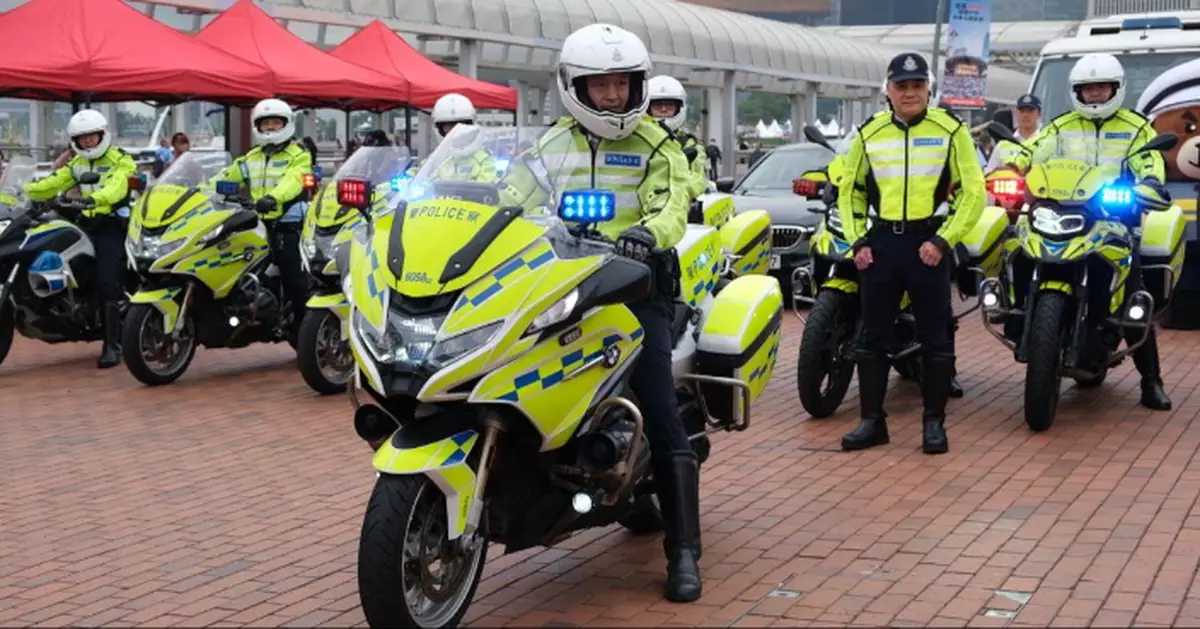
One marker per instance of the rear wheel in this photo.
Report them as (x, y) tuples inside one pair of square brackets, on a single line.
[(323, 356), (1043, 373), (155, 356), (409, 573), (824, 367), (646, 516)]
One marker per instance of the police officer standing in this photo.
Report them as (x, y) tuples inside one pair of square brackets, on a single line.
[(906, 160), (1029, 117)]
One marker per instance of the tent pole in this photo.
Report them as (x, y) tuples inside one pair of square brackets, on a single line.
[(228, 124), (408, 126)]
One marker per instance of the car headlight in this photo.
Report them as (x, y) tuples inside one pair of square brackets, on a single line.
[(557, 312), (833, 219), (1047, 221), (403, 340), (453, 348)]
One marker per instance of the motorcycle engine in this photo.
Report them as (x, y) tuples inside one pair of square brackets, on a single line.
[(256, 301)]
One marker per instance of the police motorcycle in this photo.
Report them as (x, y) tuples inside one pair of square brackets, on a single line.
[(1077, 231), (825, 363), (202, 255), (494, 348), (47, 263), (322, 348)]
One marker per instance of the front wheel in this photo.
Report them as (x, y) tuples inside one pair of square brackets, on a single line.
[(8, 326), (154, 356), (823, 367), (1043, 372), (323, 356), (409, 573)]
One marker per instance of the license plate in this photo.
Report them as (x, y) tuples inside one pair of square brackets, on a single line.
[(774, 263)]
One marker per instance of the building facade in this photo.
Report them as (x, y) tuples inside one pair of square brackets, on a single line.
[(882, 12)]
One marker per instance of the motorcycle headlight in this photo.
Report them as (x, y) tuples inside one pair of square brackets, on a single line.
[(453, 348), (1051, 223), (153, 248), (4, 225), (557, 312), (405, 340)]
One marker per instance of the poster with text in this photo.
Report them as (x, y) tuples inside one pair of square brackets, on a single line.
[(964, 76)]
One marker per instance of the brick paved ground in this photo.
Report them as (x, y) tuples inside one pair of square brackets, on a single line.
[(234, 496)]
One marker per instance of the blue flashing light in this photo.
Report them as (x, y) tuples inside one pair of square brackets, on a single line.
[(587, 206), (400, 183), (1116, 196), (501, 166), (227, 188)]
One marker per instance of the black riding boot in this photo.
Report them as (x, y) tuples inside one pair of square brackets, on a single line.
[(110, 320), (678, 479), (956, 390), (935, 389), (1145, 358), (872, 388)]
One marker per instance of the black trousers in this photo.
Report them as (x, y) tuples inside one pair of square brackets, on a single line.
[(898, 267), (285, 251), (107, 234), (653, 383)]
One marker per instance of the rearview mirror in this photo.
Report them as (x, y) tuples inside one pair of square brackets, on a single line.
[(89, 178), (725, 184), (814, 135), (1000, 132), (1160, 142)]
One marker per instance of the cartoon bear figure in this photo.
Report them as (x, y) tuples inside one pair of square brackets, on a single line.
[(1172, 103)]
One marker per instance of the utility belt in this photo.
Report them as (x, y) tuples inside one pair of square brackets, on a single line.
[(918, 226)]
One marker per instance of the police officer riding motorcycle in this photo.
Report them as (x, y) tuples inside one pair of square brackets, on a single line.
[(1097, 91), (668, 103), (907, 160), (103, 219), (473, 163), (603, 81), (274, 172)]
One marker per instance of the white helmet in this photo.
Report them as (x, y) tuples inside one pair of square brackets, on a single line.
[(1098, 68), (452, 108), (664, 87), (84, 122), (604, 49), (273, 108)]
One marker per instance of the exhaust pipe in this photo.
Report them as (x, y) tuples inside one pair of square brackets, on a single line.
[(373, 425)]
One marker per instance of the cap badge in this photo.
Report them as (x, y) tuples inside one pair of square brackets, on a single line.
[(910, 64)]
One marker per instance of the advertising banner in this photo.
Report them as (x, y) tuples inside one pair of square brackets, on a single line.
[(964, 80)]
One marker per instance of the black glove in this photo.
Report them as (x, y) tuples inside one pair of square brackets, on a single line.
[(636, 243), (266, 205), (88, 202)]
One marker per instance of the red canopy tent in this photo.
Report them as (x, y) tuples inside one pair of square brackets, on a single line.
[(381, 47), (304, 75), (105, 50)]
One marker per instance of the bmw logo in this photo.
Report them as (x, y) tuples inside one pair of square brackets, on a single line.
[(612, 355)]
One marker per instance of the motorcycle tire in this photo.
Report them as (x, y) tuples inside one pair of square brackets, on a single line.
[(817, 362), (7, 330), (308, 357), (1043, 371), (394, 513), (132, 330)]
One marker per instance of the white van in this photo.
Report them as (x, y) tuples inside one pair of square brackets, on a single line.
[(1146, 43)]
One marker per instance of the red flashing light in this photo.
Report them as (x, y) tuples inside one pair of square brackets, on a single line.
[(353, 193), (806, 187)]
